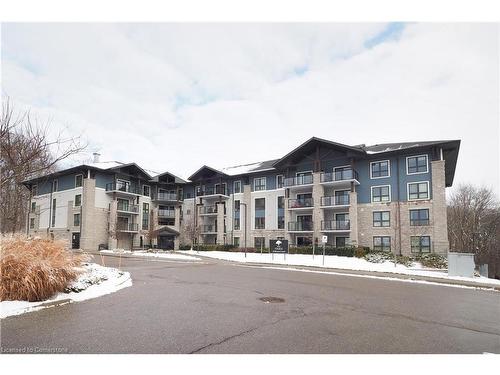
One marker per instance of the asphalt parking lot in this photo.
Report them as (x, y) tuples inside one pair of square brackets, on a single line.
[(221, 307)]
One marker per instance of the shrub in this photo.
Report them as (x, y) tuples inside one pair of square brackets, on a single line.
[(213, 247), (329, 250), (404, 260), (379, 256), (360, 252), (34, 270), (184, 247), (432, 260)]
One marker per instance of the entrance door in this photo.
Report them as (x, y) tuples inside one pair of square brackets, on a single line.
[(75, 241), (166, 242)]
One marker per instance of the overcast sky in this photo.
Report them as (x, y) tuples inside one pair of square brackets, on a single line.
[(177, 96)]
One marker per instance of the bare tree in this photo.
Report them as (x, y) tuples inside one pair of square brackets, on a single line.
[(193, 230), (474, 223), (26, 151)]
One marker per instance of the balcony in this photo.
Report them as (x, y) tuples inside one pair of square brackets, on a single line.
[(340, 176), (298, 204), (335, 201), (127, 227), (208, 210), (123, 189), (298, 181), (335, 226), (125, 207), (300, 226), (166, 197), (209, 229), (166, 213), (213, 192)]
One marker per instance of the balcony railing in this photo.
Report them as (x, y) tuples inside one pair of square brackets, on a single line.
[(338, 200), (340, 175), (125, 188), (207, 210), (166, 213), (127, 207), (209, 228), (128, 227), (166, 197), (297, 181), (336, 225), (301, 203), (300, 226), (216, 190)]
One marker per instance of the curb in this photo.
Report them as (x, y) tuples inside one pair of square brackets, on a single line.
[(401, 276), (146, 258), (55, 303)]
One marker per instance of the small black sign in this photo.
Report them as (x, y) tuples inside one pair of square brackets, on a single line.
[(278, 246)]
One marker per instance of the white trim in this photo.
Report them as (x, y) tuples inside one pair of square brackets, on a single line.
[(371, 193), (417, 199), (297, 173), (342, 166), (75, 180), (416, 156), (265, 184), (234, 190), (283, 181), (81, 200), (388, 169)]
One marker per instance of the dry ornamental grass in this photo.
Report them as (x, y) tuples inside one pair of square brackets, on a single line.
[(35, 269)]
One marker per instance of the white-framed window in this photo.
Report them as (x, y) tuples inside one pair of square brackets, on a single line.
[(33, 207), (418, 190), (259, 184), (32, 223), (381, 193), (78, 180), (78, 200), (279, 181), (76, 220), (54, 185), (237, 187), (417, 164), (380, 169), (146, 190)]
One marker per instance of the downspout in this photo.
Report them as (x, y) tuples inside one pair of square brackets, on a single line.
[(28, 215), (398, 207), (50, 208)]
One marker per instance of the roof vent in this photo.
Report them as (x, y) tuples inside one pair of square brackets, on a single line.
[(96, 157)]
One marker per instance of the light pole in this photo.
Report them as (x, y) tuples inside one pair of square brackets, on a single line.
[(245, 229)]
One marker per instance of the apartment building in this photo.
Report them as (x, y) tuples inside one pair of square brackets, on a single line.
[(388, 197)]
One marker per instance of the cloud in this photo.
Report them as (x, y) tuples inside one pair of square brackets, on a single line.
[(176, 96)]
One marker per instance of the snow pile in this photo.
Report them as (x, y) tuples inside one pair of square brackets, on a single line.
[(333, 261), (96, 281), (158, 254)]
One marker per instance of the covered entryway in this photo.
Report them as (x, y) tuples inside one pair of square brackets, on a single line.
[(75, 240), (166, 238)]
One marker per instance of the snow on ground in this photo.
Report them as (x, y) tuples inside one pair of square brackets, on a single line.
[(333, 261), (160, 254), (94, 282)]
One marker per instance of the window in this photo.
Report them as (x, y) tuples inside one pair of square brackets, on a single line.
[(76, 220), (237, 186), (145, 216), (32, 223), (259, 184), (236, 205), (260, 204), (260, 223), (279, 181), (417, 164), (54, 185), (420, 244), (78, 180), (381, 193), (418, 190), (259, 242), (236, 241), (34, 190), (33, 206), (78, 200), (341, 241), (379, 169), (236, 223), (382, 243), (53, 222), (281, 202), (146, 190), (419, 217), (281, 212), (382, 219), (188, 212)]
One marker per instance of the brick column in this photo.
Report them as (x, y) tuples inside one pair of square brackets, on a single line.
[(113, 234), (318, 216), (246, 212), (439, 216), (220, 223), (87, 235), (353, 217)]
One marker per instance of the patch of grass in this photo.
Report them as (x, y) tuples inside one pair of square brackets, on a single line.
[(35, 269)]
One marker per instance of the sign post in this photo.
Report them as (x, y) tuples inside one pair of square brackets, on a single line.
[(278, 246), (324, 240)]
